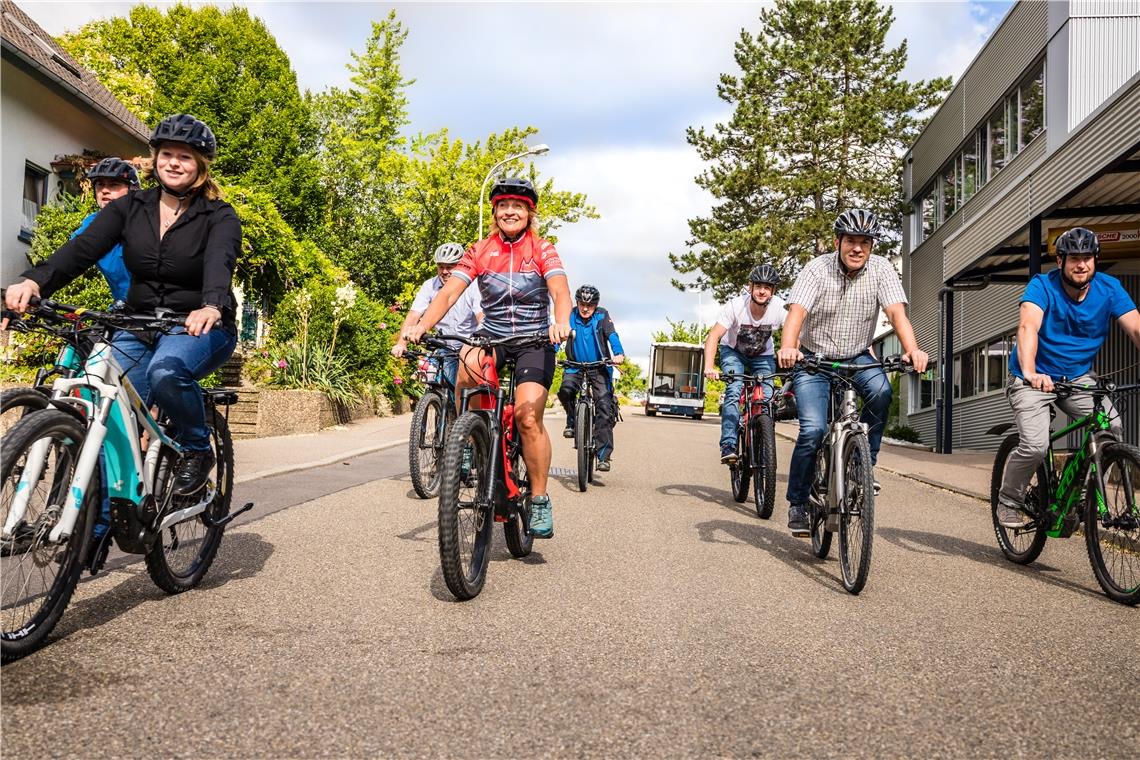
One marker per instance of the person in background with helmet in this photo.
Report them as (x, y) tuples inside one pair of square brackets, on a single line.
[(744, 333), (594, 339), (111, 178), (518, 273), (461, 319), (180, 244), (833, 310), (1064, 320)]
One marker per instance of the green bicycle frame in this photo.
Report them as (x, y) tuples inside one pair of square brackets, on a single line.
[(1067, 491)]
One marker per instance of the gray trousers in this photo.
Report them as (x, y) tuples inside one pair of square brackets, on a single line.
[(1031, 413)]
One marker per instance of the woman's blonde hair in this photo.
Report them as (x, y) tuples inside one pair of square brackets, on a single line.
[(205, 182), (532, 224)]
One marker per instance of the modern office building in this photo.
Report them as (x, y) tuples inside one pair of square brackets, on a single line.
[(1040, 134)]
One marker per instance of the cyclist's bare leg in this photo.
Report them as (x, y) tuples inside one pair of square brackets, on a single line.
[(530, 403)]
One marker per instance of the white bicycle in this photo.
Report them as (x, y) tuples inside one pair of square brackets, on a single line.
[(52, 489)]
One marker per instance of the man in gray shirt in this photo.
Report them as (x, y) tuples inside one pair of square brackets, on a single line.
[(832, 309)]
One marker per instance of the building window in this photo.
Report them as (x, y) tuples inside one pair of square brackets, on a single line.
[(969, 170), (996, 357), (1011, 129), (983, 156), (1032, 112), (34, 198), (996, 126), (924, 386), (966, 381), (949, 191), (929, 214)]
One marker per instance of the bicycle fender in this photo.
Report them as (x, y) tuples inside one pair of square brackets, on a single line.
[(70, 409), (1000, 429)]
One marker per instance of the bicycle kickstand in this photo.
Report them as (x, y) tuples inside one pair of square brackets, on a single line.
[(213, 523)]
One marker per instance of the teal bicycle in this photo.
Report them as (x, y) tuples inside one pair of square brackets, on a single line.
[(52, 483), (1098, 485)]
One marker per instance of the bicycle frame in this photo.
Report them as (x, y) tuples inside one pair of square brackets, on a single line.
[(104, 396), (1083, 464), (490, 399)]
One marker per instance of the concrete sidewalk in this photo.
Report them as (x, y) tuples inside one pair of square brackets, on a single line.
[(964, 472), (262, 457)]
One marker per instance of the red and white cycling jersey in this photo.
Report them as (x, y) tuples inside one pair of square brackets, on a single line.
[(512, 281)]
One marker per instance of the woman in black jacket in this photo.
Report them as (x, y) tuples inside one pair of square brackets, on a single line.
[(180, 244)]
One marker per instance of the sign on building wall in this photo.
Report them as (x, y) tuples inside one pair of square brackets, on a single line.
[(1117, 239)]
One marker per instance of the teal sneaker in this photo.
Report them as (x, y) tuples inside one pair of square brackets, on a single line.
[(541, 517)]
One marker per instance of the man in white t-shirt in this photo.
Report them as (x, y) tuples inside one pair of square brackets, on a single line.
[(461, 319), (744, 333)]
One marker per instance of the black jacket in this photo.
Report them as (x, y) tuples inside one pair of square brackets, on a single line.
[(193, 265)]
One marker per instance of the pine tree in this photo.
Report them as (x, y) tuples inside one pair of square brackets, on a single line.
[(821, 121)]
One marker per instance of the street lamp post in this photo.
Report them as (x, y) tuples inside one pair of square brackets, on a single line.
[(537, 150)]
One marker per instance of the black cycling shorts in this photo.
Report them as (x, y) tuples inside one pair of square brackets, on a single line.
[(532, 365)]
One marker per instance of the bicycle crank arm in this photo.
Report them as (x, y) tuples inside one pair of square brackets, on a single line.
[(212, 523), (182, 515)]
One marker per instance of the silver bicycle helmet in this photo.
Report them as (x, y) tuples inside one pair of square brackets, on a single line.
[(448, 253)]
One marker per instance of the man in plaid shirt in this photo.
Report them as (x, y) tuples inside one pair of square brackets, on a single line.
[(832, 310)]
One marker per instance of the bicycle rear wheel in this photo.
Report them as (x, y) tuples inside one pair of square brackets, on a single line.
[(465, 521), (582, 443), (516, 530), (1112, 535), (857, 514), (425, 444), (764, 457), (37, 577), (741, 472), (1020, 545), (182, 554)]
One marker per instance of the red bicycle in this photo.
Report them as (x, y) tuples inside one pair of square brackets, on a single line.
[(755, 444), (484, 477)]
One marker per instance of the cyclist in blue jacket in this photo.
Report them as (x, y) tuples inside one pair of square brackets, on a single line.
[(594, 339), (111, 178)]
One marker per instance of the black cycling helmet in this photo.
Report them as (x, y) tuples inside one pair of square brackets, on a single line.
[(114, 168), (858, 221), (765, 274), (587, 294), (1078, 241), (514, 187), (184, 128)]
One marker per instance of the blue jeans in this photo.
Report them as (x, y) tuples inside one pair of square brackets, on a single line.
[(167, 373), (812, 397), (732, 360)]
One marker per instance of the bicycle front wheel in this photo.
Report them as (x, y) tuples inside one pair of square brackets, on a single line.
[(741, 472), (465, 521), (582, 442), (37, 576), (1020, 545), (17, 403), (425, 444), (764, 458), (1112, 532), (183, 552), (857, 514)]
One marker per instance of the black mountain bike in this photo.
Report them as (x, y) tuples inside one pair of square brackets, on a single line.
[(842, 495), (1099, 485), (484, 477), (584, 421), (434, 413), (755, 444)]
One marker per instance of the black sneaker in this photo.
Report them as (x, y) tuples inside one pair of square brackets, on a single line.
[(728, 454), (568, 432), (798, 520), (193, 471)]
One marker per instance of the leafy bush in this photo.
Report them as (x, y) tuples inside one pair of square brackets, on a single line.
[(904, 433)]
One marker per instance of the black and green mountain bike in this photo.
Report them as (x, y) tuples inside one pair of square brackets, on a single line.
[(1098, 485)]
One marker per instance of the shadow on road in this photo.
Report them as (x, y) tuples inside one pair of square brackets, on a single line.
[(935, 543), (242, 556), (721, 497), (499, 553), (425, 533)]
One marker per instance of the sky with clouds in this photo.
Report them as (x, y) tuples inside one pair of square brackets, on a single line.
[(610, 86)]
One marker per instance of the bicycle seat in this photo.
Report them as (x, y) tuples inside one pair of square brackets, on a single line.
[(221, 396)]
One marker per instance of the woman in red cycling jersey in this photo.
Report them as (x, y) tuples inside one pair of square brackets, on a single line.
[(518, 273)]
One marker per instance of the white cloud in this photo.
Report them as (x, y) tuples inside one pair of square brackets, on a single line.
[(943, 37)]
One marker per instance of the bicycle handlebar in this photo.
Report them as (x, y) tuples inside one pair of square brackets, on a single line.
[(831, 366), (54, 311), (1102, 386), (480, 341), (587, 365)]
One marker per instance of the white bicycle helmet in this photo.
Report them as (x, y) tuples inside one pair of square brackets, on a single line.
[(448, 253)]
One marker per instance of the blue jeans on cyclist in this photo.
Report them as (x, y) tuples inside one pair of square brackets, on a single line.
[(166, 373), (732, 360), (812, 396)]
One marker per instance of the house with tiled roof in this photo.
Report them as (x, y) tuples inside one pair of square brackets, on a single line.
[(51, 107)]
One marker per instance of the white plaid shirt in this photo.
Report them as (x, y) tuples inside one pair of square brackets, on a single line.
[(842, 310)]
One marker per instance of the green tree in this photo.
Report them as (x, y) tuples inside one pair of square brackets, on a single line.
[(681, 332), (224, 67), (631, 378), (821, 120)]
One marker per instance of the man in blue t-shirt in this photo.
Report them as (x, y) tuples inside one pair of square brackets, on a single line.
[(594, 339), (1065, 318)]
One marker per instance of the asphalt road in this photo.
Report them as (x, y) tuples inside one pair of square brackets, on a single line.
[(663, 619)]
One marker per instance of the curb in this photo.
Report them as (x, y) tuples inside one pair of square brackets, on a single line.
[(916, 478), (319, 462)]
